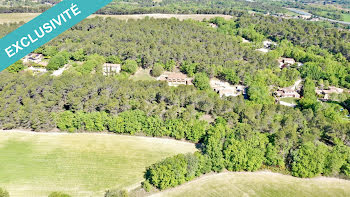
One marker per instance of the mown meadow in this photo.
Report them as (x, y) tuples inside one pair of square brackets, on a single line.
[(36, 164)]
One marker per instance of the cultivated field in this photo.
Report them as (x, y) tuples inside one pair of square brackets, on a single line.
[(35, 164), (17, 17), (264, 184), (198, 17)]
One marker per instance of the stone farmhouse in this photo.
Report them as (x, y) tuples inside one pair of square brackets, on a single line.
[(34, 58), (287, 92), (285, 62), (328, 92), (226, 89), (111, 69), (175, 78)]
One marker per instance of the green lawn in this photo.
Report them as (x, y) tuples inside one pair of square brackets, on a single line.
[(290, 100), (262, 184), (35, 164), (346, 17), (142, 75), (290, 13)]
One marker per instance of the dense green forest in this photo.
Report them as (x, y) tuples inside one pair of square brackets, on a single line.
[(200, 48), (324, 51), (190, 44), (263, 134), (300, 32), (196, 47)]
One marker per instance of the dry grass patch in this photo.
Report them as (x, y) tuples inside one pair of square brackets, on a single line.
[(198, 17), (17, 17), (25, 17), (264, 184)]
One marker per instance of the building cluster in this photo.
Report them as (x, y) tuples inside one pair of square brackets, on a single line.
[(35, 58), (293, 92), (326, 93), (287, 92), (301, 16), (225, 89), (111, 69), (175, 78)]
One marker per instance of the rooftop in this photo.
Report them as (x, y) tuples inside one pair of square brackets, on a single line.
[(111, 65), (175, 75)]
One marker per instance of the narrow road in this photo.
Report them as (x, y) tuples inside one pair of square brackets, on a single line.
[(302, 12)]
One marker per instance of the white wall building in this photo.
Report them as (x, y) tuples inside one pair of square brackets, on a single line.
[(111, 69)]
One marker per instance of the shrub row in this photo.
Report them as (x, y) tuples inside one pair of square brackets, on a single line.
[(132, 122), (242, 149)]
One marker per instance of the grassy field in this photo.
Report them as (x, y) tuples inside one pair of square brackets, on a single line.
[(142, 75), (35, 164), (346, 17), (290, 100), (264, 184), (289, 13), (18, 17)]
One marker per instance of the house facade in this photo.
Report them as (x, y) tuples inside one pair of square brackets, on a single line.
[(287, 92), (226, 89), (285, 62), (111, 69), (175, 78)]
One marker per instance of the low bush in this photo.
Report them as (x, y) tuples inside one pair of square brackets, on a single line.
[(59, 194), (116, 193), (4, 193)]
